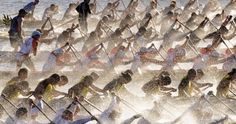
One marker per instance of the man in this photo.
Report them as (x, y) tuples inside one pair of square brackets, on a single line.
[(113, 113), (16, 32), (13, 91), (46, 33), (29, 46), (157, 86), (67, 118), (57, 58), (22, 76), (223, 33), (50, 12), (85, 86), (29, 8), (118, 54), (83, 10), (226, 84), (47, 88), (70, 12), (92, 57), (21, 116), (118, 85), (66, 36), (189, 85), (186, 86), (144, 55)]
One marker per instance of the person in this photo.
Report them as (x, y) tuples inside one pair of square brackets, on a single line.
[(29, 46), (45, 86), (117, 85), (229, 62), (16, 32), (171, 8), (58, 57), (34, 111), (84, 10), (46, 33), (85, 86), (144, 55), (118, 53), (67, 118), (22, 76), (13, 91), (223, 33), (112, 114), (70, 12), (208, 57), (66, 36), (29, 8), (174, 55), (50, 12), (186, 87), (224, 87), (21, 116), (92, 59), (157, 86)]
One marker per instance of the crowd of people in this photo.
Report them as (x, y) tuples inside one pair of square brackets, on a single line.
[(134, 43)]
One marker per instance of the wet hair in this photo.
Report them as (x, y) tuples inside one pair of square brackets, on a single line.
[(200, 72), (142, 29), (22, 71), (55, 77), (94, 75), (105, 18), (127, 77), (192, 72), (20, 112), (128, 72), (52, 5), (170, 13), (166, 80), (64, 78), (22, 11), (194, 14), (233, 71), (67, 115)]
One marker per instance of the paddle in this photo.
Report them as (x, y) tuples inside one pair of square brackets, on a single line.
[(44, 114), (88, 111), (8, 114)]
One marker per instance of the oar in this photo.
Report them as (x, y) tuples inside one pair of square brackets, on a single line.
[(188, 110), (8, 114), (51, 25), (49, 106), (44, 114), (211, 94), (153, 45), (215, 108), (109, 58), (4, 97), (91, 104), (222, 38), (65, 23), (130, 106), (88, 111)]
